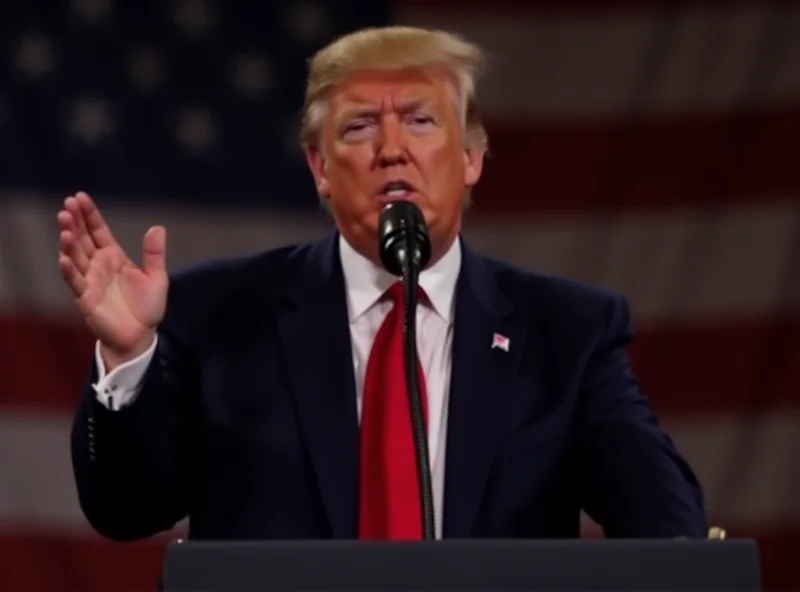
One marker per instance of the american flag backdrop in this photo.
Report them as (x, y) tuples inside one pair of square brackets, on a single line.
[(648, 147)]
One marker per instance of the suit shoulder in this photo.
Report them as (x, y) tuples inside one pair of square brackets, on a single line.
[(560, 290), (560, 299), (234, 270), (207, 285)]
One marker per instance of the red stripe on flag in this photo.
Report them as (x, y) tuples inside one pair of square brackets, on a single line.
[(568, 166), (719, 368), (44, 363), (60, 562), (779, 550), (706, 367), (30, 561)]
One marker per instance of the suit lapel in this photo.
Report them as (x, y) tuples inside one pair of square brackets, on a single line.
[(316, 342), (481, 385)]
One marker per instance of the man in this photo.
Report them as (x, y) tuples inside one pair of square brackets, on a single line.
[(263, 397)]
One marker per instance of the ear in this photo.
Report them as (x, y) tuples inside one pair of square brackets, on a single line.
[(316, 162), (473, 165)]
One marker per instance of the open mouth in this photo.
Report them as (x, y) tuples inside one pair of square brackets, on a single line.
[(397, 190)]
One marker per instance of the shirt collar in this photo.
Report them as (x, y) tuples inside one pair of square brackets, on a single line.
[(367, 282)]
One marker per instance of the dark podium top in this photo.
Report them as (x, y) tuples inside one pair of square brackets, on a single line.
[(464, 566)]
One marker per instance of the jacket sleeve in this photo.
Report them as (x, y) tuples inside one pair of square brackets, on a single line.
[(131, 462), (635, 482)]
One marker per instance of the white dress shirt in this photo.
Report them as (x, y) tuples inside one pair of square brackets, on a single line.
[(365, 284)]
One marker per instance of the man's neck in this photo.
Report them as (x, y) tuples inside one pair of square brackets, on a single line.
[(366, 280)]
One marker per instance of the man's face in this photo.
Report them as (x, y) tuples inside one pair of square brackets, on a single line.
[(389, 136)]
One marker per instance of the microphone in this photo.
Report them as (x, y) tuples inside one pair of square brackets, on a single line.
[(405, 249), (402, 229)]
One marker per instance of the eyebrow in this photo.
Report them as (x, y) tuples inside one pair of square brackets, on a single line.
[(364, 109)]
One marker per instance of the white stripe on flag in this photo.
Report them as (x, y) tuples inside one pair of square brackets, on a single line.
[(754, 486), (673, 265), (572, 64)]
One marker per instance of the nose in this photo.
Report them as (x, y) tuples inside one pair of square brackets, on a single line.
[(391, 149)]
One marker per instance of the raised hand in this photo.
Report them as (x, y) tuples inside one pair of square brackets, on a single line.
[(122, 302)]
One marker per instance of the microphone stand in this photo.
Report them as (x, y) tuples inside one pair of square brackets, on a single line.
[(410, 277)]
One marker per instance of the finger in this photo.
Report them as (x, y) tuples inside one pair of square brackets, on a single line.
[(71, 275), (154, 248), (65, 221), (72, 248), (95, 223), (78, 225), (69, 237)]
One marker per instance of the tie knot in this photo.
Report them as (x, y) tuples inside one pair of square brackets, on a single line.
[(397, 292)]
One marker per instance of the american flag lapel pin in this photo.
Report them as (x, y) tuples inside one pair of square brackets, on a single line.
[(500, 341)]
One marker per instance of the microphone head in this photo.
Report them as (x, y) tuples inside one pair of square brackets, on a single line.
[(403, 238)]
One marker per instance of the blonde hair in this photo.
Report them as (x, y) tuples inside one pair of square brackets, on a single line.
[(388, 49)]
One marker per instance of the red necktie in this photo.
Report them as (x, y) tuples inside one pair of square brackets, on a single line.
[(390, 506)]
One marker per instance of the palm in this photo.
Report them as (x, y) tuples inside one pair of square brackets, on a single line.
[(121, 302)]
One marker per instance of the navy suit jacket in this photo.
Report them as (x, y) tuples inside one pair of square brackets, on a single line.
[(247, 422)]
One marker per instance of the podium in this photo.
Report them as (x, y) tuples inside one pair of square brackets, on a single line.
[(463, 565)]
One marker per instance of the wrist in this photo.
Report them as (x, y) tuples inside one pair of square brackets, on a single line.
[(114, 357)]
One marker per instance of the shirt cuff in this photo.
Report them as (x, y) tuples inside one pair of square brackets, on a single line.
[(119, 388)]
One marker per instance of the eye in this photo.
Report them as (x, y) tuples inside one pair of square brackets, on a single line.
[(357, 129), (420, 122), (355, 126)]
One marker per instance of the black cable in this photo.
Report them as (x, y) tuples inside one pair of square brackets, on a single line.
[(410, 283)]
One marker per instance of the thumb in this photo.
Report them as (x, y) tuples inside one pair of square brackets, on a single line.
[(154, 247)]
